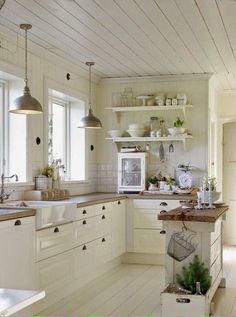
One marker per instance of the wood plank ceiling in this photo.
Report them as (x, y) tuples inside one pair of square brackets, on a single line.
[(134, 37)]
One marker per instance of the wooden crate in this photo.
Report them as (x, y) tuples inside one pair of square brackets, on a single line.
[(179, 305)]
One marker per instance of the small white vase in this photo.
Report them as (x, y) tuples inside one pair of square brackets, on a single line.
[(152, 187)]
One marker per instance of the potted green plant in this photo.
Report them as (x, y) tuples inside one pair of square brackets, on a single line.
[(152, 181), (178, 127)]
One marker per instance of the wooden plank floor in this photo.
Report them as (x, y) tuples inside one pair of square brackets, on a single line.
[(134, 290)]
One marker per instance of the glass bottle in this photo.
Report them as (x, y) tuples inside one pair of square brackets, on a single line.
[(163, 128), (154, 126), (198, 289)]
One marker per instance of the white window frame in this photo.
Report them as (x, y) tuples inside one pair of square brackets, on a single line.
[(51, 85)]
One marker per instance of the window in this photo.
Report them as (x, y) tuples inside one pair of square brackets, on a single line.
[(12, 131), (66, 143)]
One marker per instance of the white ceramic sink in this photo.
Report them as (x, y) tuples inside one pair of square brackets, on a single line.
[(48, 213)]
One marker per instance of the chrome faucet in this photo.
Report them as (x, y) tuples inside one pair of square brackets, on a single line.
[(4, 195)]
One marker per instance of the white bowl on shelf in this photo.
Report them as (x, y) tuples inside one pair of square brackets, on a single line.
[(176, 131), (136, 133), (137, 126), (115, 133)]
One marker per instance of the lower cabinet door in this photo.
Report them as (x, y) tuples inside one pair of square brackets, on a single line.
[(56, 271), (102, 252), (149, 241), (84, 259)]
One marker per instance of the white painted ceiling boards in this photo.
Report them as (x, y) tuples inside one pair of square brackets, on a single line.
[(133, 37)]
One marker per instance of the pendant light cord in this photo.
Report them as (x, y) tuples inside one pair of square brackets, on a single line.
[(26, 78), (89, 86)]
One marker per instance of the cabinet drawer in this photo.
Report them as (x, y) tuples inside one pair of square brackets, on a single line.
[(17, 223), (146, 219), (85, 212), (84, 258), (216, 249), (102, 250), (215, 268), (101, 208), (54, 240), (102, 224), (55, 272), (155, 204), (149, 241), (84, 230)]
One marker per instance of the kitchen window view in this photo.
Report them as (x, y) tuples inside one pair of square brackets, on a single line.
[(13, 144), (66, 143)]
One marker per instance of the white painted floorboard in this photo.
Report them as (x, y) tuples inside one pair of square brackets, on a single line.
[(134, 290)]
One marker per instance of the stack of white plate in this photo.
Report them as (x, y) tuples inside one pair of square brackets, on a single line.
[(136, 130)]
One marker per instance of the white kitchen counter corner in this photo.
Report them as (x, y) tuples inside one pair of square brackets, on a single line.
[(14, 300)]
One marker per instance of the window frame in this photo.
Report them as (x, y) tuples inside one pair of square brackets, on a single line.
[(64, 102)]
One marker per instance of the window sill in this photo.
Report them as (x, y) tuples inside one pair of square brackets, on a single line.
[(74, 182), (18, 184)]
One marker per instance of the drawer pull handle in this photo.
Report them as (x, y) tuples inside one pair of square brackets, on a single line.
[(103, 217), (103, 207), (163, 203), (103, 240), (119, 202), (162, 232), (84, 212), (84, 222), (162, 211), (183, 300), (84, 247), (56, 230), (17, 223)]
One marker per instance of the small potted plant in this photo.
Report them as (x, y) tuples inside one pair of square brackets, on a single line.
[(152, 181), (178, 127), (48, 172)]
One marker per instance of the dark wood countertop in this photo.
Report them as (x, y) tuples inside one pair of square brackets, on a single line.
[(14, 213), (190, 214)]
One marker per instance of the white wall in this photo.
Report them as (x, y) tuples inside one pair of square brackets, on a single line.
[(43, 69), (196, 88)]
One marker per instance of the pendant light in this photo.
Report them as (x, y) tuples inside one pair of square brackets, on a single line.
[(90, 121), (26, 104)]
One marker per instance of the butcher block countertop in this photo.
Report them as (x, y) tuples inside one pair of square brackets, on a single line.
[(190, 214), (10, 213)]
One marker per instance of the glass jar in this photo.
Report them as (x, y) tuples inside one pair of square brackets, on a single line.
[(154, 126), (164, 131)]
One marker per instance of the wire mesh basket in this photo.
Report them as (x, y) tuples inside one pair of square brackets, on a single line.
[(180, 245)]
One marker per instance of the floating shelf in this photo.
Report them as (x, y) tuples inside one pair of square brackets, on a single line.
[(118, 110), (178, 138)]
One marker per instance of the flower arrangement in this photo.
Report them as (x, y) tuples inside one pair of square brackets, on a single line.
[(48, 171)]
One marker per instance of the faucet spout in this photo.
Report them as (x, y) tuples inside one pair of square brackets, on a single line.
[(4, 195)]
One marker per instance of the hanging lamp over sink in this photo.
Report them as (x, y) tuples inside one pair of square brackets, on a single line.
[(90, 121), (26, 104)]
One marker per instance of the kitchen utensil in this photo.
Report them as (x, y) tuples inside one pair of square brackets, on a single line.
[(171, 148), (162, 152), (180, 245)]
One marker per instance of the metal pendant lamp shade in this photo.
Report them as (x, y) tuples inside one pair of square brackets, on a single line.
[(26, 104), (90, 121)]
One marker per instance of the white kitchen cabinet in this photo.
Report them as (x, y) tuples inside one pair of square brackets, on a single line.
[(56, 271), (55, 240), (102, 250), (149, 241), (84, 230), (118, 228), (148, 235), (84, 258), (132, 168), (17, 253)]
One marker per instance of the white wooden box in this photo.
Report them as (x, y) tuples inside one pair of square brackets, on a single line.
[(178, 305)]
